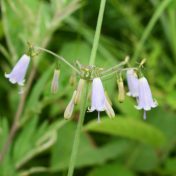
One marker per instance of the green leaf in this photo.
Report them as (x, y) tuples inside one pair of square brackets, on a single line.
[(38, 89), (7, 165), (88, 154), (143, 158), (114, 169), (34, 139), (130, 128), (169, 167), (25, 140)]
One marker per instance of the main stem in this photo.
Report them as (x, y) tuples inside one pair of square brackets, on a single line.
[(85, 97), (97, 33), (78, 132)]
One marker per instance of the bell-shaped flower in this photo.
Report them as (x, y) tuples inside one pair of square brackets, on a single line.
[(69, 109), (132, 81), (19, 71), (98, 99), (145, 99), (55, 81)]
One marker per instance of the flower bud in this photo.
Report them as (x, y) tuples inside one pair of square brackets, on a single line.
[(55, 81), (108, 108), (69, 109), (121, 89), (108, 99), (79, 90)]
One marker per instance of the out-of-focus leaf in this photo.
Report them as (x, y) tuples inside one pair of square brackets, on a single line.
[(165, 121), (7, 165), (38, 89), (34, 139), (143, 159), (169, 167), (114, 169), (25, 140), (88, 154), (130, 128)]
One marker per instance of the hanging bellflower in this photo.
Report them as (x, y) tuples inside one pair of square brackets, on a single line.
[(145, 99), (98, 99), (132, 81), (19, 71)]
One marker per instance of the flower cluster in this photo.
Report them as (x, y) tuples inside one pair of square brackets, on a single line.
[(138, 87)]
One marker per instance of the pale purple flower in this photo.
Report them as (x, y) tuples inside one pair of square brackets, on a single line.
[(19, 71), (145, 99), (98, 99), (132, 81)]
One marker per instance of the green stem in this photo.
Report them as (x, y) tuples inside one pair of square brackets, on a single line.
[(85, 97), (150, 26), (78, 131), (116, 67), (59, 57), (97, 33)]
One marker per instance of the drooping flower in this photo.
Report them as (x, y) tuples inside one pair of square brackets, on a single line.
[(98, 99), (55, 81), (79, 90), (132, 81), (69, 109), (19, 71), (145, 99)]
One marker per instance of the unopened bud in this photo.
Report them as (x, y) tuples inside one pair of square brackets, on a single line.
[(107, 97), (121, 89), (55, 81), (79, 90), (69, 109), (108, 108)]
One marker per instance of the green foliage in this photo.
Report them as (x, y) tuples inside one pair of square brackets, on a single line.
[(110, 170), (88, 153), (127, 127), (124, 146)]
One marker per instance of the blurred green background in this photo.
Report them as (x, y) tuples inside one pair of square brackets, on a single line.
[(125, 146)]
